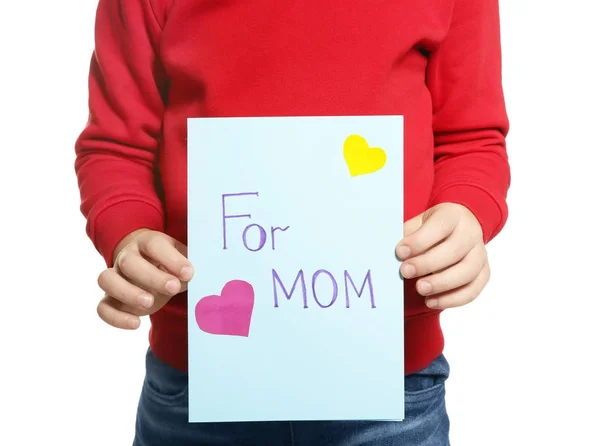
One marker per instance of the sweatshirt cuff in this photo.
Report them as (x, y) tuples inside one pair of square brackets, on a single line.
[(483, 206), (115, 222)]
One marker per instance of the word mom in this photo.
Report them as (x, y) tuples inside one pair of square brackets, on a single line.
[(328, 289), (333, 286)]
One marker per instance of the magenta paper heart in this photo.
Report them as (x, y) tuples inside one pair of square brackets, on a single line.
[(228, 314)]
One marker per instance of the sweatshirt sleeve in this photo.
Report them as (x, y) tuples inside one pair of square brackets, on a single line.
[(116, 154), (470, 123)]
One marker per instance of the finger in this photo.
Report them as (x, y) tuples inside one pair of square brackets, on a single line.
[(434, 229), (442, 256), (184, 285), (412, 225), (109, 311), (462, 273), (463, 295), (115, 285), (167, 252), (147, 276)]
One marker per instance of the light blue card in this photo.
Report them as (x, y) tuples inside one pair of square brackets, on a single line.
[(296, 309)]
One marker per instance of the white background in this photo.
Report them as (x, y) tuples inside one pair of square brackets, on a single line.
[(523, 356)]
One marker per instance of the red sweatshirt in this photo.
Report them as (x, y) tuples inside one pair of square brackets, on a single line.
[(159, 62)]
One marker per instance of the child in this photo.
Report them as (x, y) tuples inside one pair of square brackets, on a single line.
[(159, 62)]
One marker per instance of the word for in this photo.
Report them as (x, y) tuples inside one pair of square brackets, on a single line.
[(262, 233)]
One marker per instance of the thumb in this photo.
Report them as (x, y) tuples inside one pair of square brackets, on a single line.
[(180, 247), (413, 224)]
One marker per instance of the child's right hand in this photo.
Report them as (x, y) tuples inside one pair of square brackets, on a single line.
[(149, 268)]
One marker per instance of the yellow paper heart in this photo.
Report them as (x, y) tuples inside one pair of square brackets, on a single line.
[(362, 159)]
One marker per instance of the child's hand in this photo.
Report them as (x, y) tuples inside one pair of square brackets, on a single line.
[(445, 243), (149, 268)]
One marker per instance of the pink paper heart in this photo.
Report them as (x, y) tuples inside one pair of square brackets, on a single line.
[(228, 314)]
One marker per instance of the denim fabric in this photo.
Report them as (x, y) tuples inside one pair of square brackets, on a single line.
[(162, 418)]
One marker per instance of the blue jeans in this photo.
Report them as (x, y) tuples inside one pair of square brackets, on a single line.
[(162, 418)]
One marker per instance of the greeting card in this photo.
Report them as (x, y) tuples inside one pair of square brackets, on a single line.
[(296, 308)]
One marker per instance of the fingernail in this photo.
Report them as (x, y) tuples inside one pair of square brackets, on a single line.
[(431, 303), (145, 300), (172, 286), (425, 287), (408, 271), (187, 272), (403, 252)]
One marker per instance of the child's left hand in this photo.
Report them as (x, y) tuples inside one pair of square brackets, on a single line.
[(445, 243)]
